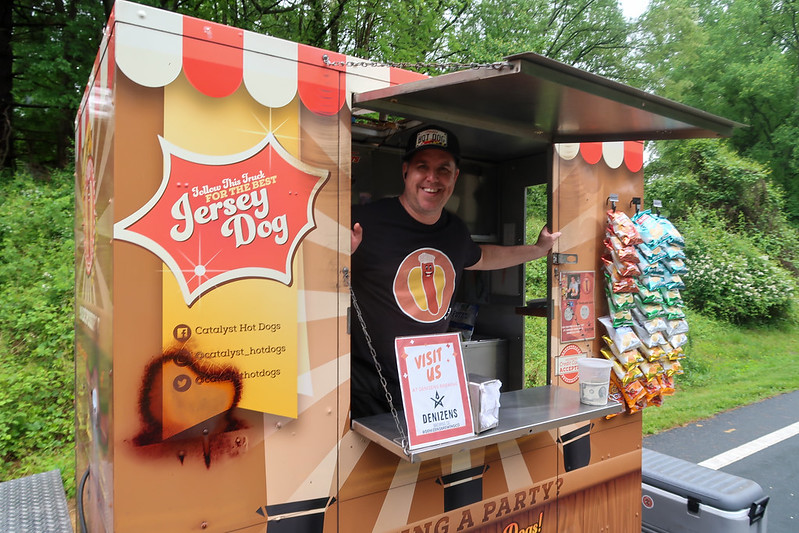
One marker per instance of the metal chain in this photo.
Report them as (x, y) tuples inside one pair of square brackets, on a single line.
[(499, 65), (403, 439)]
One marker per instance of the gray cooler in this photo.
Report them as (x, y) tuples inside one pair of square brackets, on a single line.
[(678, 496)]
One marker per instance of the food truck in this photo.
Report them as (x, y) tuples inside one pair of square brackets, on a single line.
[(216, 169)]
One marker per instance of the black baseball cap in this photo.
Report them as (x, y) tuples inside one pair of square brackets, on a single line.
[(432, 137)]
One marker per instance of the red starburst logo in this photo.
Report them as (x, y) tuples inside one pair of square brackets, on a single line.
[(215, 219)]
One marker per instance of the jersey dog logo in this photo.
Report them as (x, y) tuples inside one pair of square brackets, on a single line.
[(220, 218)]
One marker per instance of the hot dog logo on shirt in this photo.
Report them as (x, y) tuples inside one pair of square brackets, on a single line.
[(424, 284)]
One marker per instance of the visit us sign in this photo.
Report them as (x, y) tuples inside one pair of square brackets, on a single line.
[(435, 390)]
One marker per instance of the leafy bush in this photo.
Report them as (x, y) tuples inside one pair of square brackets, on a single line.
[(705, 175), (730, 277), (36, 320)]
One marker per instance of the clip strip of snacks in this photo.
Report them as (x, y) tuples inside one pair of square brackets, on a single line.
[(644, 261)]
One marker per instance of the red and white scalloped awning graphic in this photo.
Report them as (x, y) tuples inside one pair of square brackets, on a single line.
[(614, 153), (152, 46)]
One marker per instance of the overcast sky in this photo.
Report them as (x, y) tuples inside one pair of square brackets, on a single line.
[(633, 8)]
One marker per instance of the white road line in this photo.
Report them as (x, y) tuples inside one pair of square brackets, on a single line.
[(751, 447)]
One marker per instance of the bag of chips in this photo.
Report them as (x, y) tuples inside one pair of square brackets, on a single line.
[(619, 317), (673, 327), (614, 395), (655, 401), (627, 254), (650, 296), (652, 387), (672, 368), (623, 228), (629, 371), (675, 266), (671, 233), (649, 311), (674, 251), (672, 281), (625, 375), (624, 337), (646, 267), (671, 296), (666, 385), (651, 325), (678, 340), (671, 352), (621, 300), (616, 281), (626, 359), (651, 354), (653, 282), (650, 369), (625, 268), (651, 232), (672, 312), (631, 392), (650, 340), (621, 284), (653, 254), (640, 405)]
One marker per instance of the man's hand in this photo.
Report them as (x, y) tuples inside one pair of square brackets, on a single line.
[(546, 239), (356, 237)]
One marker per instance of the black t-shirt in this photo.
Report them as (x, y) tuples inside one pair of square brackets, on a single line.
[(403, 275)]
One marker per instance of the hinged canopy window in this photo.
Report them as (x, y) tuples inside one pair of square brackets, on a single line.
[(536, 101)]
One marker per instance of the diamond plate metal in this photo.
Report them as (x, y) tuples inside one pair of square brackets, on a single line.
[(34, 504)]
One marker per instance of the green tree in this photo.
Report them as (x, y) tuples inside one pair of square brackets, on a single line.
[(383, 30), (6, 75), (589, 34), (53, 45), (752, 78)]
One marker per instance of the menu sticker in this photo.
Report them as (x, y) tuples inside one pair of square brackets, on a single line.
[(577, 320), (434, 387)]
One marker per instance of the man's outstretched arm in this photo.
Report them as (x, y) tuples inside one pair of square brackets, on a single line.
[(496, 257)]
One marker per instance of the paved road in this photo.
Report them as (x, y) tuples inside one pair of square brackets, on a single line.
[(775, 468)]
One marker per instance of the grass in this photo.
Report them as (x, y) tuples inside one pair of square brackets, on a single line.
[(61, 458), (729, 366), (535, 351)]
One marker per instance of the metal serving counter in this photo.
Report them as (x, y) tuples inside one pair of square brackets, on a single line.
[(522, 412)]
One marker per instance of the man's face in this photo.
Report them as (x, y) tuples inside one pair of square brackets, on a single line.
[(430, 178)]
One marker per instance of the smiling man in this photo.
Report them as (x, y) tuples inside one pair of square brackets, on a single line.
[(408, 253)]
